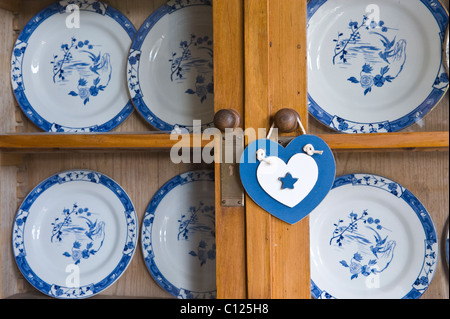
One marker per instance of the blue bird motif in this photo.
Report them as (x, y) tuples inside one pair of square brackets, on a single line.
[(383, 251), (371, 256), (392, 49), (385, 41), (387, 53), (394, 54), (81, 58), (101, 63), (95, 232), (95, 59), (398, 58), (102, 68), (87, 236)]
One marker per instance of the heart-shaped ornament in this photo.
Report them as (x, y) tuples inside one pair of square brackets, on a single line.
[(288, 182)]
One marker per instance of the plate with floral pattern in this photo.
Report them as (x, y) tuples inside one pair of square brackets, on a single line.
[(178, 236), (75, 234), (170, 66), (68, 66), (375, 67), (371, 238)]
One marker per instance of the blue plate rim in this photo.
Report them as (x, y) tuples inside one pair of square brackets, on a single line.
[(147, 228), (421, 213), (342, 125), (23, 38), (128, 251)]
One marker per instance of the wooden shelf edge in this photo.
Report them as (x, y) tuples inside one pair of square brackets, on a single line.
[(10, 5), (128, 141), (100, 141), (388, 141)]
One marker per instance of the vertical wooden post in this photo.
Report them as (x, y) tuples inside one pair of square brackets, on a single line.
[(229, 94), (257, 115), (288, 88), (275, 78)]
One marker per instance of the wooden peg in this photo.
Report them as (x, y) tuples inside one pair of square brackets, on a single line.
[(286, 120), (227, 118)]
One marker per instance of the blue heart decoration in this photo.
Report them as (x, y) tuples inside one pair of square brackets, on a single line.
[(315, 192)]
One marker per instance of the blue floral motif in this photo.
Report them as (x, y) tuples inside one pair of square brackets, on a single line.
[(379, 182), (84, 230), (426, 275), (183, 63), (16, 66), (371, 257), (353, 127), (94, 69), (367, 81), (341, 48), (441, 82), (200, 219), (392, 53), (133, 82), (341, 45), (87, 5)]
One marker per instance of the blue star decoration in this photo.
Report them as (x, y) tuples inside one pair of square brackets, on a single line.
[(288, 181)]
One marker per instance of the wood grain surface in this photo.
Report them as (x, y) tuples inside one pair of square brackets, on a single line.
[(229, 94), (257, 115), (288, 89), (275, 50)]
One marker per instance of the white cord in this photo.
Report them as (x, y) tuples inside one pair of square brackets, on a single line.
[(270, 131), (309, 149), (261, 156), (302, 128)]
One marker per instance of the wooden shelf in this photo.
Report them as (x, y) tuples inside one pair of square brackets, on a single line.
[(10, 5), (127, 141), (389, 141), (107, 141)]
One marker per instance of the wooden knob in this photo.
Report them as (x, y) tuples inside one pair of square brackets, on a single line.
[(286, 120), (227, 118)]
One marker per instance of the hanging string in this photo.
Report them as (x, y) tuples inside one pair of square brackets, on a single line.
[(308, 149), (261, 156), (302, 128), (271, 131)]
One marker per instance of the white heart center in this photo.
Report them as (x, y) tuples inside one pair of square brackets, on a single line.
[(288, 183)]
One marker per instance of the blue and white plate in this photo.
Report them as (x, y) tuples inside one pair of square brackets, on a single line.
[(446, 247), (375, 67), (371, 238), (170, 66), (178, 236), (75, 234), (68, 67)]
